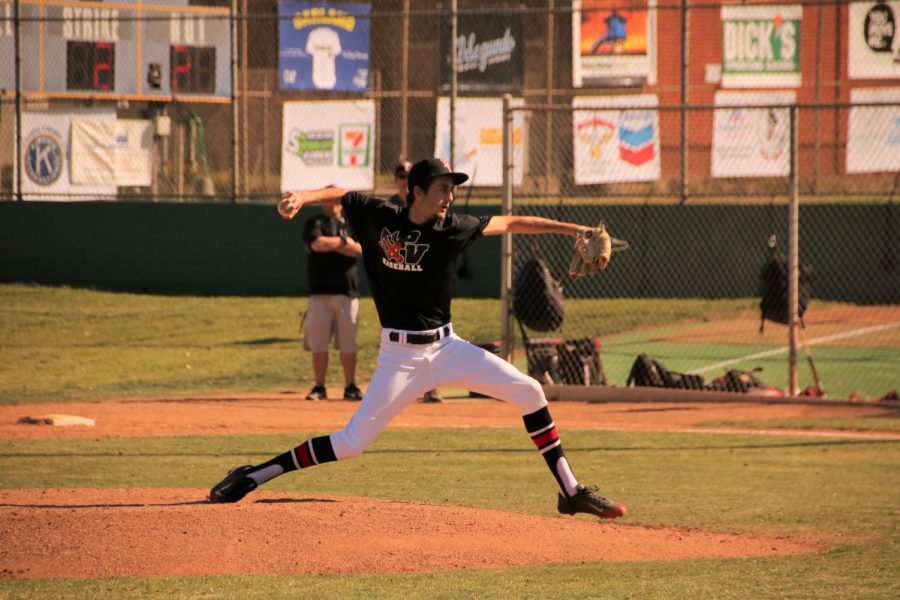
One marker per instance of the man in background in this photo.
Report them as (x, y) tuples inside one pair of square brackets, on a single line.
[(333, 298)]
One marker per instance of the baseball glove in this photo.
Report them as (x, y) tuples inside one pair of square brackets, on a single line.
[(593, 249)]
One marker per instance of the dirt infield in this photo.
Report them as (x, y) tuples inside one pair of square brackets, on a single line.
[(91, 533), (288, 413)]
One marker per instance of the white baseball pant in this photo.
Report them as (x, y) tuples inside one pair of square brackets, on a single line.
[(406, 371)]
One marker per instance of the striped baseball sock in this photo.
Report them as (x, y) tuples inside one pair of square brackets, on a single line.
[(542, 430), (310, 453)]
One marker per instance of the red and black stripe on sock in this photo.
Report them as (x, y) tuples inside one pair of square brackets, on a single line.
[(542, 429), (312, 452)]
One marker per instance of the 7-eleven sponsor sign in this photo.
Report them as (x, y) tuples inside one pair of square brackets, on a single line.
[(355, 146)]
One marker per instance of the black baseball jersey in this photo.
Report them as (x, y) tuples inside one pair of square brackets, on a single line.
[(411, 268), (330, 272)]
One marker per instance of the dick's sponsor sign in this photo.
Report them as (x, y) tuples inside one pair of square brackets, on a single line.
[(761, 46)]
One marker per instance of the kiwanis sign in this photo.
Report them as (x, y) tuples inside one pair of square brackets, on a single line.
[(488, 53)]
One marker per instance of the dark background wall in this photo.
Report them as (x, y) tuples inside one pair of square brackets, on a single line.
[(677, 251), (206, 249)]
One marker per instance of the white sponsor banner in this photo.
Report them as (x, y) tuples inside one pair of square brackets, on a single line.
[(751, 142), (132, 152), (873, 132), (328, 143), (92, 150), (761, 46), (108, 151), (47, 156), (616, 139), (479, 139), (873, 40)]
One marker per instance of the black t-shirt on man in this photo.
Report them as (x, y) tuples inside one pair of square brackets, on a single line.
[(330, 272), (411, 268)]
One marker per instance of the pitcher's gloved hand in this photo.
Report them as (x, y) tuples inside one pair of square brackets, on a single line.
[(593, 249)]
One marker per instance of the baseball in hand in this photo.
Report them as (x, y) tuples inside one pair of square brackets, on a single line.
[(286, 207)]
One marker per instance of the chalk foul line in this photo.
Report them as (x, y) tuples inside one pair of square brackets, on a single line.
[(784, 349)]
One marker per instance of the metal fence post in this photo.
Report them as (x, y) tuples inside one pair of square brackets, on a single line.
[(18, 26), (506, 241), (685, 30), (548, 135), (404, 85), (453, 65), (793, 259), (235, 121)]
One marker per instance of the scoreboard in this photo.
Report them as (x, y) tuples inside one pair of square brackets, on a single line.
[(123, 49)]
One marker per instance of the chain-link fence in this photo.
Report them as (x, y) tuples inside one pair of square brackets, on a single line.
[(637, 111), (689, 290), (227, 100)]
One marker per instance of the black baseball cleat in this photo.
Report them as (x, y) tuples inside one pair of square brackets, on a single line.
[(317, 393), (431, 397), (352, 393), (235, 486), (586, 500)]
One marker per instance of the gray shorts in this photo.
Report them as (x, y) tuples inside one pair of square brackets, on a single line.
[(330, 316)]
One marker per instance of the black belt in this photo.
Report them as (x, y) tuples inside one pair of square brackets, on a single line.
[(421, 338)]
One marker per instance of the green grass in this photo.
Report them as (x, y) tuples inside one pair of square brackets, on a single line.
[(61, 344), (847, 370), (846, 489), (872, 423)]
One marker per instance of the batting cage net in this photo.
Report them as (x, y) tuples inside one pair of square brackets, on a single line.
[(700, 287)]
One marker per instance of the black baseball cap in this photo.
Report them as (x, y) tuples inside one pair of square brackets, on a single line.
[(424, 171), (401, 171)]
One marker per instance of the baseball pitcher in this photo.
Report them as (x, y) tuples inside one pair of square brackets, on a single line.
[(410, 257)]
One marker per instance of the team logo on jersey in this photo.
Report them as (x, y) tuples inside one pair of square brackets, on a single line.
[(402, 254)]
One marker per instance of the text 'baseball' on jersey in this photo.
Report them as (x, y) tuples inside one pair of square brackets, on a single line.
[(402, 255)]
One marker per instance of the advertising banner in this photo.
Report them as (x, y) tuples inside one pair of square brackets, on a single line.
[(873, 132), (132, 152), (873, 40), (488, 53), (613, 43), (323, 46), (107, 151), (761, 45), (616, 139), (479, 139), (47, 156), (328, 143), (93, 142), (752, 142)]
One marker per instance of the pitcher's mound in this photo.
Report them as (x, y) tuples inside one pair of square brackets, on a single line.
[(91, 533)]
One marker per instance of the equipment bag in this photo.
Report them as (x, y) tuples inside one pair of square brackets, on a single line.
[(579, 362), (737, 381), (773, 290), (538, 297), (646, 372)]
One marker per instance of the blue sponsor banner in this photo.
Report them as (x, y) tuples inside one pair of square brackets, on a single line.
[(324, 46)]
